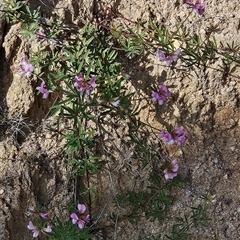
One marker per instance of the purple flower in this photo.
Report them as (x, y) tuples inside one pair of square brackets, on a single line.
[(44, 215), (177, 136), (172, 170), (81, 208), (198, 6), (34, 229), (47, 229), (75, 219), (43, 90), (80, 220), (168, 58), (115, 102), (168, 138), (83, 85), (86, 218), (180, 136), (162, 94), (25, 67)]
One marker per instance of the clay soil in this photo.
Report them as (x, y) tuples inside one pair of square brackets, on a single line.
[(205, 102)]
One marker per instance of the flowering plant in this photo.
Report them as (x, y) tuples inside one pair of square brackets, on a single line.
[(83, 85), (169, 59), (177, 136), (161, 94), (172, 170), (80, 218), (25, 67), (92, 54), (36, 231), (42, 89)]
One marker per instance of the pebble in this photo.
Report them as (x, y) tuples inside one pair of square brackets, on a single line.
[(8, 200), (225, 176), (229, 89), (232, 83), (233, 148)]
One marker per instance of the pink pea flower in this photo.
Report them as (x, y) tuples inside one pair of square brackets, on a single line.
[(198, 6), (180, 135), (168, 138), (115, 102), (177, 136), (162, 94), (75, 219), (47, 229), (81, 208), (86, 218), (25, 67), (34, 229), (44, 215), (169, 59), (172, 170), (81, 219), (43, 90), (83, 85)]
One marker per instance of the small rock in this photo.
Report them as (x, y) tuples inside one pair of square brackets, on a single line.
[(1, 191), (230, 89), (233, 148), (8, 200), (232, 83), (225, 176)]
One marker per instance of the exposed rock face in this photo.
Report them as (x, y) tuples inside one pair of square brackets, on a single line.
[(20, 95)]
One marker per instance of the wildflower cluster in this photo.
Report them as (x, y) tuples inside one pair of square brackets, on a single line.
[(177, 135), (43, 227), (83, 85), (161, 95), (36, 231), (80, 219)]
